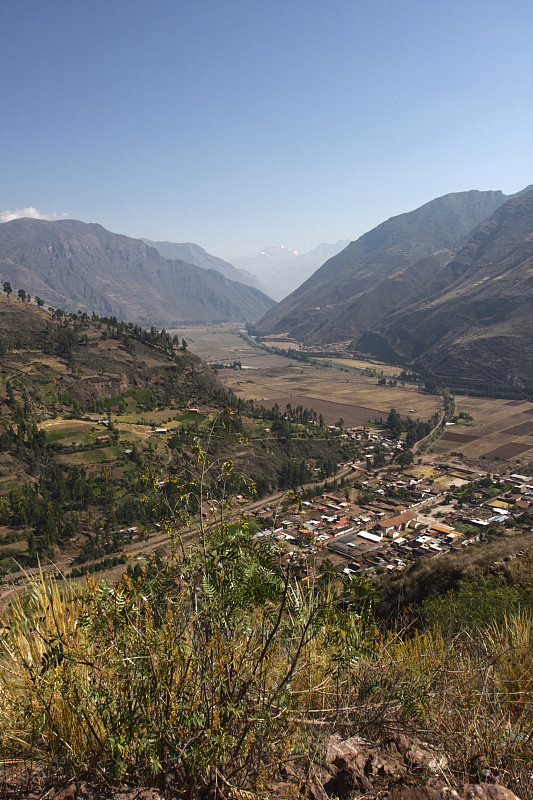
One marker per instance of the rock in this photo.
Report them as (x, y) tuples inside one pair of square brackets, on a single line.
[(317, 778), (336, 746), (469, 791), (415, 754), (378, 765), (425, 758), (349, 778)]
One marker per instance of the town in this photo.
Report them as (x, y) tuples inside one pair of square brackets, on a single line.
[(378, 521)]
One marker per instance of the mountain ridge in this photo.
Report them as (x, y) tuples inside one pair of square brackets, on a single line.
[(194, 254), (392, 246), (80, 265), (479, 326)]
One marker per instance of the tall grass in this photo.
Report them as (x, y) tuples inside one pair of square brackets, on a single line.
[(206, 678), (204, 672)]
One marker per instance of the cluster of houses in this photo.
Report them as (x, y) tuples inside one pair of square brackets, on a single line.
[(385, 535)]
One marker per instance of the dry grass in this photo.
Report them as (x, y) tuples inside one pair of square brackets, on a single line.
[(116, 681)]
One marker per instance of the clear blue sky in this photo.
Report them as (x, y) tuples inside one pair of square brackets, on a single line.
[(237, 124)]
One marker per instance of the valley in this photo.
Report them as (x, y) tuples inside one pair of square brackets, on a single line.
[(500, 430), (266, 401), (199, 478)]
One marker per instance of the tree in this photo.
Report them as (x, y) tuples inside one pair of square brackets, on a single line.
[(7, 289), (22, 295), (406, 458), (394, 423), (183, 344)]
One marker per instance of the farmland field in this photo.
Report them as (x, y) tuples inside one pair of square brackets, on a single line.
[(378, 366), (268, 378), (500, 430)]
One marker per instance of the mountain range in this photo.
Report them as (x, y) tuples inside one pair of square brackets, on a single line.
[(473, 319), (77, 265), (445, 288)]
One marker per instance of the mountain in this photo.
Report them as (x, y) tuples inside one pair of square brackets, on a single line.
[(475, 320), (194, 254), (281, 270), (327, 306), (77, 265)]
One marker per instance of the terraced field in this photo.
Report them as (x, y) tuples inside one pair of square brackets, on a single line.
[(502, 430)]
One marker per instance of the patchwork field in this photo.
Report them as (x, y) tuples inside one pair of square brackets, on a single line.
[(334, 393), (501, 430)]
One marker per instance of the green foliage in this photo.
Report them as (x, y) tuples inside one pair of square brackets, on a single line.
[(475, 604)]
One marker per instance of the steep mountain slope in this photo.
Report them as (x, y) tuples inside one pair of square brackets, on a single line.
[(282, 270), (194, 254), (479, 325), (324, 308), (83, 266)]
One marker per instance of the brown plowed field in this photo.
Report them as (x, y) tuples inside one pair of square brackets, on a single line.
[(352, 415), (464, 438), (509, 450)]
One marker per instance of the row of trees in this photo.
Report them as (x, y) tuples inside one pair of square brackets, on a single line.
[(415, 429), (23, 295)]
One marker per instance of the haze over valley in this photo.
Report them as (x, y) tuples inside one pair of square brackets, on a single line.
[(444, 289)]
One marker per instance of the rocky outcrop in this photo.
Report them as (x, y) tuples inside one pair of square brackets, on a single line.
[(398, 768)]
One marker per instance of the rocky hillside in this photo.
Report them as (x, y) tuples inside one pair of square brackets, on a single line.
[(327, 306), (194, 254), (76, 265), (474, 318)]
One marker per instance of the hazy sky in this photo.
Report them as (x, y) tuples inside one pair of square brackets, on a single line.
[(237, 124)]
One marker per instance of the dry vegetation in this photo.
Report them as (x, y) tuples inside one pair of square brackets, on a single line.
[(208, 671)]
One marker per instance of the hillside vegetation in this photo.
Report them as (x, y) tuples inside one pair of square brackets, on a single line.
[(204, 674), (219, 663), (93, 410)]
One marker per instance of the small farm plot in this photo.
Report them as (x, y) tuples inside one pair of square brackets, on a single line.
[(68, 431), (332, 412), (501, 430)]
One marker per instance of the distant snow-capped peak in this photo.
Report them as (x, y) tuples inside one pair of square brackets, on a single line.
[(278, 251)]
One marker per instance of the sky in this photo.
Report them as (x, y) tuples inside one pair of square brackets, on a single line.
[(239, 124)]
